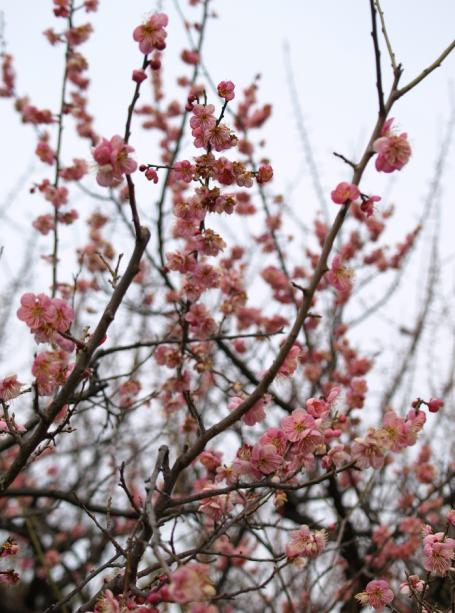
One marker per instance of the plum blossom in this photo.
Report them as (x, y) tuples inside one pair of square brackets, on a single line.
[(345, 192), (10, 388), (254, 415), (299, 426), (435, 404), (377, 594), (369, 451), (151, 34), (264, 174), (112, 157), (413, 584), (305, 543), (340, 276), (438, 553), (191, 583), (265, 458), (226, 90), (393, 149), (36, 310)]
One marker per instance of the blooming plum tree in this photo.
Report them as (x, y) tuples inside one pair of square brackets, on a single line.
[(201, 431)]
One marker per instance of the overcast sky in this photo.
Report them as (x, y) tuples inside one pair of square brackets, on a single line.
[(331, 54)]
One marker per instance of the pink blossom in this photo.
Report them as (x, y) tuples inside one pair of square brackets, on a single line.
[(8, 548), (254, 415), (275, 437), (36, 310), (393, 149), (219, 137), (413, 584), (438, 553), (435, 404), (183, 171), (44, 151), (202, 119), (377, 594), (190, 56), (368, 451), (345, 192), (226, 90), (201, 323), (215, 507), (10, 388), (50, 369), (316, 407), (151, 34), (151, 175), (63, 317), (128, 392), (264, 174), (138, 75), (265, 458), (76, 171), (367, 205), (191, 583), (113, 161), (340, 276), (291, 362), (306, 543), (297, 425)]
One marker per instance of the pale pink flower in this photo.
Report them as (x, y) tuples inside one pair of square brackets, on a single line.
[(368, 205), (151, 34), (190, 56), (226, 90), (44, 224), (264, 174), (377, 594), (64, 315), (36, 310), (275, 437), (298, 425), (368, 451), (10, 388), (305, 543), (254, 415), (438, 553), (112, 157), (201, 323), (128, 392), (215, 506), (183, 171), (413, 584), (393, 149), (76, 171), (317, 407), (108, 603), (219, 137), (265, 458), (191, 583), (345, 192), (203, 118), (289, 366), (340, 276)]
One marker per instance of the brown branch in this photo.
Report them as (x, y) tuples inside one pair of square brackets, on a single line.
[(79, 371), (404, 90)]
